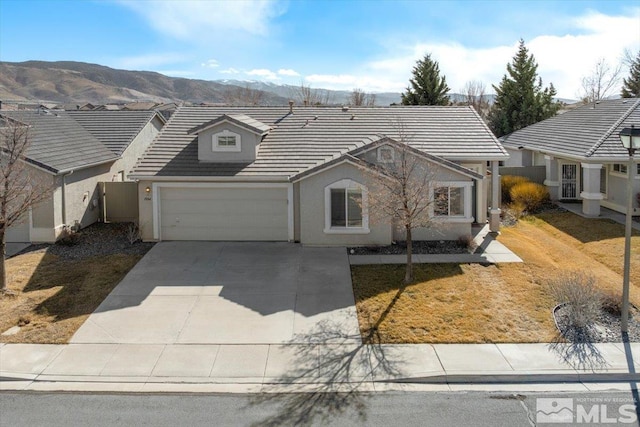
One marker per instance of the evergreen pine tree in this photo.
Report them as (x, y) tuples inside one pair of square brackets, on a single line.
[(426, 87), (631, 85), (520, 99)]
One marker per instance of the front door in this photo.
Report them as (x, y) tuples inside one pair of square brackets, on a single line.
[(569, 183)]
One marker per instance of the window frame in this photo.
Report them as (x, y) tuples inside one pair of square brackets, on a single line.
[(346, 185), (467, 190), (216, 137)]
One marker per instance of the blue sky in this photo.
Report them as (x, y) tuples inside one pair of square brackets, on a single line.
[(327, 44)]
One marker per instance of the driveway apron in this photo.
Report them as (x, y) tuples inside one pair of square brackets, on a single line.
[(229, 293)]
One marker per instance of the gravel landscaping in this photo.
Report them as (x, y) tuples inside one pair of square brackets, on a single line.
[(419, 247), (605, 329), (97, 239)]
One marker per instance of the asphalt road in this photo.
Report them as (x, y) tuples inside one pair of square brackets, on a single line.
[(380, 409)]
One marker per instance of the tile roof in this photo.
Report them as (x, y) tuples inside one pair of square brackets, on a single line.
[(115, 129), (241, 120), (588, 132), (58, 142), (314, 135)]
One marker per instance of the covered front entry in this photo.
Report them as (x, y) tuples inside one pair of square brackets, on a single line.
[(570, 181), (223, 212)]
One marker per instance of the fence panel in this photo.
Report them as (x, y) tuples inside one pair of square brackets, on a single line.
[(534, 173), (120, 201)]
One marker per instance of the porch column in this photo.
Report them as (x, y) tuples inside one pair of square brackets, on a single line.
[(591, 195), (494, 217), (551, 179)]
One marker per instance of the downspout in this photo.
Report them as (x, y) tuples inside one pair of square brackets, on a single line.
[(64, 198)]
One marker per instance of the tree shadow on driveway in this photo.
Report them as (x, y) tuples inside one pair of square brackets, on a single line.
[(327, 380)]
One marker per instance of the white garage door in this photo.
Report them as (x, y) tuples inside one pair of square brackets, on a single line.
[(223, 214)]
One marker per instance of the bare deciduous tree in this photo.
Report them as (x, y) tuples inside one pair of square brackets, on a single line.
[(243, 96), (600, 82), (307, 96), (360, 98), (21, 188), (402, 190), (474, 93)]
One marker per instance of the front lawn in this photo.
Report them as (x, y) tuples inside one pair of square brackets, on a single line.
[(471, 303), (55, 288)]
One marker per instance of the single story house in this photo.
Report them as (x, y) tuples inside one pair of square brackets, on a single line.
[(582, 154), (292, 174), (74, 151)]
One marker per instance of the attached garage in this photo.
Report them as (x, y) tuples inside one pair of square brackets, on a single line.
[(223, 212)]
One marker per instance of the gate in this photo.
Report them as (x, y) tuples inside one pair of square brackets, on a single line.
[(120, 201)]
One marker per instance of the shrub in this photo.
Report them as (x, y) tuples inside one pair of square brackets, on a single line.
[(507, 182), (68, 237), (466, 241), (612, 303), (579, 291), (133, 233), (529, 195)]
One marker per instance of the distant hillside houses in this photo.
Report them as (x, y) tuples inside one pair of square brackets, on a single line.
[(165, 109)]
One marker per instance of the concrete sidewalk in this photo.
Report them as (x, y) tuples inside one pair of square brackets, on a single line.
[(322, 367), (488, 250)]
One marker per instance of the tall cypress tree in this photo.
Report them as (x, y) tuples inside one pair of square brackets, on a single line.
[(427, 87), (520, 99), (631, 84)]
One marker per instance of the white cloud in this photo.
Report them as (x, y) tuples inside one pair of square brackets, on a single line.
[(264, 73), (203, 20), (288, 72), (149, 61), (211, 63), (230, 71), (562, 60)]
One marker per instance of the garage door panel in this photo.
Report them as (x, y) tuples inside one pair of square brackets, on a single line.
[(223, 214), (222, 207)]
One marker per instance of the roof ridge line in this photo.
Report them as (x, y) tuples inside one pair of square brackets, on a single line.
[(608, 133)]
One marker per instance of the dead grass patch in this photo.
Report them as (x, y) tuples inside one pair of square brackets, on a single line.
[(498, 303), (53, 297)]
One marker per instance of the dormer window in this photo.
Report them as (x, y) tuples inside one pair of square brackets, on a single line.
[(226, 141)]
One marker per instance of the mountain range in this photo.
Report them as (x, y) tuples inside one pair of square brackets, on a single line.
[(80, 82)]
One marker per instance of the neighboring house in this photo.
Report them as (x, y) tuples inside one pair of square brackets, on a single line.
[(75, 150), (285, 174), (582, 154)]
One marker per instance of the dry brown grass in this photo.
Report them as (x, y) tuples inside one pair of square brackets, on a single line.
[(504, 303), (53, 297)]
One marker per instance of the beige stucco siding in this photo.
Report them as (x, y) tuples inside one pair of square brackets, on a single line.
[(82, 195), (248, 142), (312, 211), (145, 210)]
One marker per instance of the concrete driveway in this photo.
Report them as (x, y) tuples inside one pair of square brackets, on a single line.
[(229, 293)]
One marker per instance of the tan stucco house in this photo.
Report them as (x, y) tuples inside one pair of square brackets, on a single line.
[(582, 154), (291, 174), (74, 151)]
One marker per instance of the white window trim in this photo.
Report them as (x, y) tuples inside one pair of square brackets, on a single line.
[(381, 159), (466, 190), (224, 148), (613, 172), (347, 184)]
